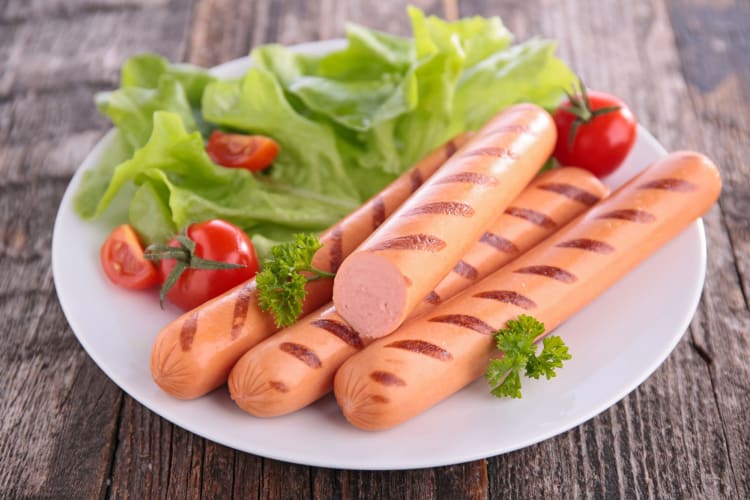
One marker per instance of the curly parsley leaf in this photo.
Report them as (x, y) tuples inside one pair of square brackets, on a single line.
[(281, 283), (516, 342), (554, 352)]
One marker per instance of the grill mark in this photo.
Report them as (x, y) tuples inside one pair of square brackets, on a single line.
[(550, 272), (629, 214), (422, 347), (498, 243), (466, 270), (278, 385), (341, 330), (416, 179), (536, 218), (570, 191), (302, 353), (509, 297), (433, 298), (241, 306), (378, 212), (492, 151), (377, 398), (588, 244), (670, 184), (387, 378), (442, 208), (450, 148), (469, 178), (465, 321), (423, 242), (337, 249), (187, 331)]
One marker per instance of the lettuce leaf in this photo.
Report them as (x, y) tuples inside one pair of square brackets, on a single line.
[(177, 183), (148, 83), (348, 122)]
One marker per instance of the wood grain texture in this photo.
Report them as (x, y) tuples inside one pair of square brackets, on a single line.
[(68, 432)]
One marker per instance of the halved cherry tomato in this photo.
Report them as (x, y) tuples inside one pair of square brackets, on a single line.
[(604, 130), (215, 240), (253, 152), (123, 261)]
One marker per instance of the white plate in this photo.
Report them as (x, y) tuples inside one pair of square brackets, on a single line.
[(616, 342)]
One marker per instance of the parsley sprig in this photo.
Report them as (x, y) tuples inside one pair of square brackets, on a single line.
[(516, 342), (281, 282)]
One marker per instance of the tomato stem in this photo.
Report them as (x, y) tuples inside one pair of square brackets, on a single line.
[(580, 107), (185, 258)]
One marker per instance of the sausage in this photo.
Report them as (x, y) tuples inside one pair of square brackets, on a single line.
[(192, 355), (380, 283), (432, 357), (552, 200), (295, 367)]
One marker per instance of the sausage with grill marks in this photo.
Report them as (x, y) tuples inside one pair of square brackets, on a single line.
[(193, 355), (391, 381), (384, 280), (548, 203), (304, 357)]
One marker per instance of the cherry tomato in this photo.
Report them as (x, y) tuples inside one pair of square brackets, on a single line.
[(215, 240), (253, 152), (602, 142), (123, 262)]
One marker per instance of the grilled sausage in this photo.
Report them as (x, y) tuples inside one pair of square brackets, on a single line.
[(192, 355), (383, 281), (432, 357), (295, 367), (552, 200)]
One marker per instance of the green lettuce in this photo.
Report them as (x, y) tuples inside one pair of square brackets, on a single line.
[(148, 83), (348, 122), (382, 102), (177, 183)]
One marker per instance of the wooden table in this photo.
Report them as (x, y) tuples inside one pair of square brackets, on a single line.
[(67, 431)]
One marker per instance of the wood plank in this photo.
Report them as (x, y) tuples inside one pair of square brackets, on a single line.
[(142, 465), (25, 11), (59, 430), (52, 54), (714, 43), (51, 395)]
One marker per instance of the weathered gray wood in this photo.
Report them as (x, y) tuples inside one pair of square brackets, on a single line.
[(67, 431), (51, 393), (714, 43), (60, 413)]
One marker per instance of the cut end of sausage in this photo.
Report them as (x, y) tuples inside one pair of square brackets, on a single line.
[(369, 292)]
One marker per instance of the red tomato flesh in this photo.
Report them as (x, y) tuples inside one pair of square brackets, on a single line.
[(253, 152), (123, 262)]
